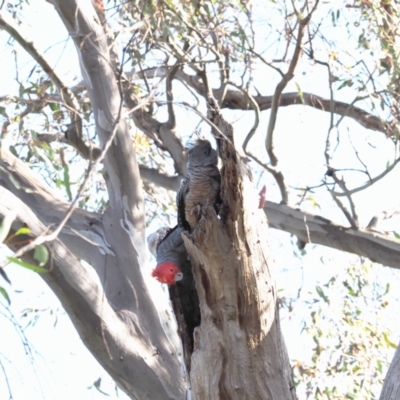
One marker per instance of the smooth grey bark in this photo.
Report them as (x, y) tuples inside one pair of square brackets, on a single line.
[(141, 360), (315, 229), (391, 385), (84, 232), (121, 347)]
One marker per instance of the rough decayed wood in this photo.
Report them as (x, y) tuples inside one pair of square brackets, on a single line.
[(239, 352), (391, 385)]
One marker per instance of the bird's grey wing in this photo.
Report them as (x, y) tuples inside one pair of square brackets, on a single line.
[(180, 203)]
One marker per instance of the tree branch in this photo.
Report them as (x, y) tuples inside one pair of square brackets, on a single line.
[(277, 174), (235, 100), (375, 246), (84, 231), (167, 131), (391, 385), (306, 226), (152, 128), (9, 25), (347, 192), (74, 133), (154, 176), (119, 347), (106, 99), (121, 268)]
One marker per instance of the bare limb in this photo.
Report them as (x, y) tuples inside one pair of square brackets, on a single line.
[(253, 129), (319, 230), (9, 25), (256, 115), (150, 174), (154, 129), (277, 174), (154, 176), (236, 100), (352, 218), (373, 245), (282, 84), (167, 132), (391, 387)]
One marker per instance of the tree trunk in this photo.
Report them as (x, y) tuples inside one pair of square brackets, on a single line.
[(391, 385), (239, 352)]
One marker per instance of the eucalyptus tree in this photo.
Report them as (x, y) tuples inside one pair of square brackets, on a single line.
[(152, 72)]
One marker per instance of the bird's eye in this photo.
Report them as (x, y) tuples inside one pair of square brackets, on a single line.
[(171, 270)]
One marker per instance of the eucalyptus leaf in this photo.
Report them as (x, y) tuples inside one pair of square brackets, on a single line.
[(26, 265), (41, 254)]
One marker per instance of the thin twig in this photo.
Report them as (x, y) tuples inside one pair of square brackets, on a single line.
[(256, 109), (352, 218), (170, 98), (276, 100), (370, 183), (282, 84), (345, 211), (9, 25)]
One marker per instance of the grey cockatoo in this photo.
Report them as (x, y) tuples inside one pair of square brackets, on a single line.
[(173, 266), (201, 186), (167, 247)]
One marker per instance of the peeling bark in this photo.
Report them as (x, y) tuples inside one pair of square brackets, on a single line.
[(239, 352)]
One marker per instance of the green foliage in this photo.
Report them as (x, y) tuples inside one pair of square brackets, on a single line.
[(197, 31), (4, 293), (27, 265), (41, 254), (351, 343)]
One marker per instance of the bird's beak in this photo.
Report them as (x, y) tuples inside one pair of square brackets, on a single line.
[(178, 276)]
